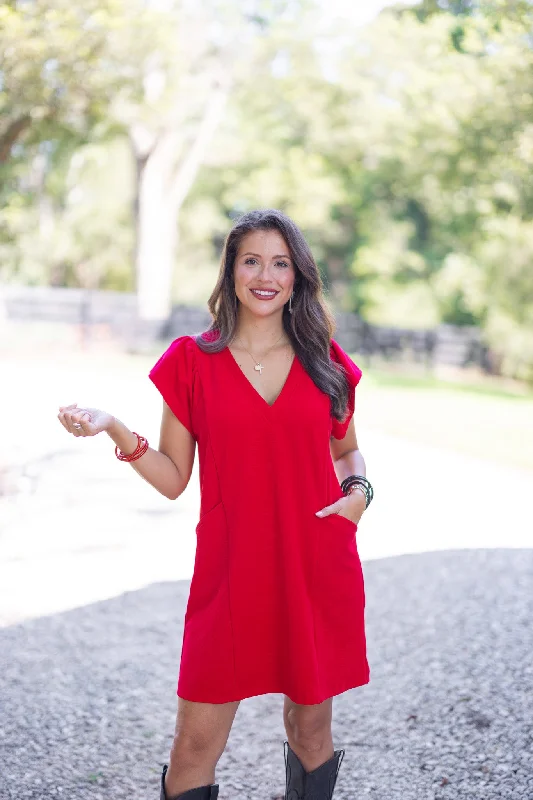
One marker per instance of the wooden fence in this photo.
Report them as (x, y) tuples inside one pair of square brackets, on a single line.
[(116, 311)]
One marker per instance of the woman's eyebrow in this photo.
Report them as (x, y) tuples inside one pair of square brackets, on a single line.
[(258, 256)]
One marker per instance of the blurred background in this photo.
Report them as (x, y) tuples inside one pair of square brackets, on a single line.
[(399, 136)]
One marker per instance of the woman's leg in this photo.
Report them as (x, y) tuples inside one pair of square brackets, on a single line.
[(309, 731), (202, 731)]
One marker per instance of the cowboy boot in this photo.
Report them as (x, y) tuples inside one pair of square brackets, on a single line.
[(318, 784), (209, 792)]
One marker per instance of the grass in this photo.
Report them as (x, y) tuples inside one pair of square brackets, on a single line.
[(493, 421), (471, 414)]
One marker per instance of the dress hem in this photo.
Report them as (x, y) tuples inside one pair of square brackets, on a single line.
[(280, 690)]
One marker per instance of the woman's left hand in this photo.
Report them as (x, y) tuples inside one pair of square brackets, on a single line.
[(350, 506)]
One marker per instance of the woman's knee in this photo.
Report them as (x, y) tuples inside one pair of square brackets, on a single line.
[(309, 725), (202, 730), (195, 747)]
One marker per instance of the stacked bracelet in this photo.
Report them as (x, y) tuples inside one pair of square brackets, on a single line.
[(140, 450), (359, 481)]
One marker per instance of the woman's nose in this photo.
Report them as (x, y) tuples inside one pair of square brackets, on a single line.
[(265, 274)]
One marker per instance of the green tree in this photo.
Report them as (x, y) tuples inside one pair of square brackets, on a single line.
[(160, 73)]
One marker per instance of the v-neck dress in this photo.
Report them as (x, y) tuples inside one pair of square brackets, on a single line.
[(276, 601)]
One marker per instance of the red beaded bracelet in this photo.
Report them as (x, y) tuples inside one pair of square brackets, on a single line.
[(140, 450)]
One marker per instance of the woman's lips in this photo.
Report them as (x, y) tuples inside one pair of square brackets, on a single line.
[(269, 296)]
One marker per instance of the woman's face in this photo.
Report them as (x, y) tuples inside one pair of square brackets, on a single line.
[(264, 272)]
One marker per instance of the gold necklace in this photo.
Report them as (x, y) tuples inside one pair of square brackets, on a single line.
[(258, 366)]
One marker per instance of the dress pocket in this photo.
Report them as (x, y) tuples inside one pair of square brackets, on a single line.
[(205, 517), (344, 521), (210, 561)]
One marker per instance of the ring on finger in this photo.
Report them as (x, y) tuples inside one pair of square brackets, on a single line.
[(76, 425)]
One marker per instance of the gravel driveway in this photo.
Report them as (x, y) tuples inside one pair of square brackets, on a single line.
[(94, 570), (88, 694)]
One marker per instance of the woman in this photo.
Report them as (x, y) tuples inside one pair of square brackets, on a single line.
[(276, 601)]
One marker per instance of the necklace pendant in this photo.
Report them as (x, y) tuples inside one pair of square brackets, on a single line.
[(258, 367)]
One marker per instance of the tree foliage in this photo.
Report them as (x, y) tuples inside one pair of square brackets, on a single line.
[(404, 149)]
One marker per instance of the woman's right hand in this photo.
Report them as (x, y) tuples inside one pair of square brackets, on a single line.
[(91, 420)]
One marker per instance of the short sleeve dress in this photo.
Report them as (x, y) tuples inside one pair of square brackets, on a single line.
[(276, 601)]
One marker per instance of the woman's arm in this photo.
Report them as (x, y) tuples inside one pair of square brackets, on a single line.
[(347, 458), (167, 469)]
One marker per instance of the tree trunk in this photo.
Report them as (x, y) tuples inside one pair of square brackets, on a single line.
[(162, 187), (9, 137), (156, 242)]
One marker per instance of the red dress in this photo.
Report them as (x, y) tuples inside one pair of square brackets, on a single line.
[(276, 602)]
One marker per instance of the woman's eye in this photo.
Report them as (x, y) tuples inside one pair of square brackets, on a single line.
[(278, 263)]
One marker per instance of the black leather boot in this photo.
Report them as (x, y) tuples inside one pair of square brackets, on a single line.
[(318, 784), (200, 793)]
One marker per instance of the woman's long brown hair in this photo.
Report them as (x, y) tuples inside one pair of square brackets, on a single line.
[(310, 326)]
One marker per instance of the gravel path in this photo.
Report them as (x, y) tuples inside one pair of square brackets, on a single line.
[(80, 512), (94, 576), (88, 694)]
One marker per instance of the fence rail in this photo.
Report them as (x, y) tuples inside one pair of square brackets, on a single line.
[(445, 344)]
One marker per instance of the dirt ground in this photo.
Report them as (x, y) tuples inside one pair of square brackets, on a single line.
[(94, 576)]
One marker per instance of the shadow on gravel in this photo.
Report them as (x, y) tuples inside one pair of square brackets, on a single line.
[(88, 696)]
